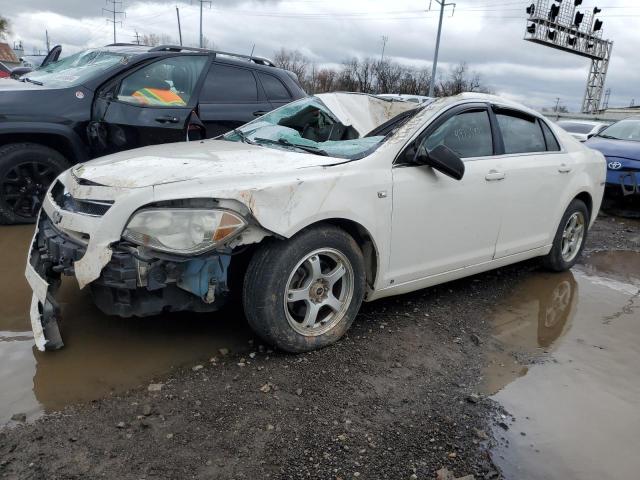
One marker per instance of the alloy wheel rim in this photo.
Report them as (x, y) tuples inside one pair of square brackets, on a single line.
[(318, 292), (573, 236), (24, 186)]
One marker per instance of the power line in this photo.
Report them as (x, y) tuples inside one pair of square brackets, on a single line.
[(114, 12)]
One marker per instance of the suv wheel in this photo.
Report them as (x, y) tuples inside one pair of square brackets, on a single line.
[(26, 171), (304, 293)]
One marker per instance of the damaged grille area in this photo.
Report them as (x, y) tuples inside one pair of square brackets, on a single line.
[(94, 208)]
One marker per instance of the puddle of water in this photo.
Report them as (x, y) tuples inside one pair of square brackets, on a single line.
[(102, 354), (576, 400)]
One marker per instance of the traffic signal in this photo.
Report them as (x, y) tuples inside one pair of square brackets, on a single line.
[(553, 12), (596, 10), (597, 25), (577, 3), (578, 20), (551, 34), (531, 28), (571, 40), (531, 9)]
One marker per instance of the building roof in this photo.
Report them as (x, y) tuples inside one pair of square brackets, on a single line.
[(7, 55)]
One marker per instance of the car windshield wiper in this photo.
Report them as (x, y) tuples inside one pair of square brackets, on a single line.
[(287, 143), (35, 82), (608, 136), (243, 137)]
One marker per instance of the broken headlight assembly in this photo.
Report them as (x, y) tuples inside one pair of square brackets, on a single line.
[(183, 231)]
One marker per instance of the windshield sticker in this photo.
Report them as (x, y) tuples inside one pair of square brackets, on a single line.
[(67, 78)]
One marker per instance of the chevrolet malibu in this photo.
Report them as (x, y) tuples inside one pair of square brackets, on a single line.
[(310, 209)]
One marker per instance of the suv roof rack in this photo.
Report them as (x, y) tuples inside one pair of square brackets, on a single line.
[(124, 45), (179, 48)]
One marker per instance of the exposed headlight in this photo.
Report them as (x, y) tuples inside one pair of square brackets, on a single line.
[(183, 231)]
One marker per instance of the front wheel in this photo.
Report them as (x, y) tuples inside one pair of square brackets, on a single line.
[(26, 171), (570, 238), (304, 293)]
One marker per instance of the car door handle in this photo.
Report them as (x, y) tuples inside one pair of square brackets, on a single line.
[(167, 119), (259, 113), (494, 176), (564, 168)]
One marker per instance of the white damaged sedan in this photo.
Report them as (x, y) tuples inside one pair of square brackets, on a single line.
[(313, 208)]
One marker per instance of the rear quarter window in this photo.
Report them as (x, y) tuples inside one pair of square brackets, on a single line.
[(274, 88)]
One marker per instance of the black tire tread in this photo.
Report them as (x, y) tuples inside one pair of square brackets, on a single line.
[(7, 217), (264, 269), (553, 260)]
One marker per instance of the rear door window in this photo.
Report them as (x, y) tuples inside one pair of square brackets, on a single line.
[(227, 84), (274, 88), (521, 133)]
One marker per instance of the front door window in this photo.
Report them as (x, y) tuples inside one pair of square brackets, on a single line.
[(167, 83)]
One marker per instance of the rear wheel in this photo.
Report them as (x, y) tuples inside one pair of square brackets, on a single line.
[(570, 238), (26, 171), (304, 293)]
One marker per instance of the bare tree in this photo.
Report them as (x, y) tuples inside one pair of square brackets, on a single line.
[(292, 60), (150, 39), (372, 76), (4, 27)]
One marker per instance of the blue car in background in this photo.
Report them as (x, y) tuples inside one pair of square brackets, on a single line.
[(620, 144)]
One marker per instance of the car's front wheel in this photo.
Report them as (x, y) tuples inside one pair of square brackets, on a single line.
[(304, 293), (26, 171), (570, 238)]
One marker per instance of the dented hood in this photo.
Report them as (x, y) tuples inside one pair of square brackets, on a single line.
[(361, 111), (177, 162)]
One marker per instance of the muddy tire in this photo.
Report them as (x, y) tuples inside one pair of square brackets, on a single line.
[(303, 294), (26, 171), (570, 238)]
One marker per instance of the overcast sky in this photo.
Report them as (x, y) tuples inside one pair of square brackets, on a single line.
[(487, 34)]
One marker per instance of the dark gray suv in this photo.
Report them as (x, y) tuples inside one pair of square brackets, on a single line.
[(119, 97)]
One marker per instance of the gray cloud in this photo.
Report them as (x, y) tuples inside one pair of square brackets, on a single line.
[(489, 40)]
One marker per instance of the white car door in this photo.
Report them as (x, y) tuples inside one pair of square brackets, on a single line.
[(438, 223), (537, 173)]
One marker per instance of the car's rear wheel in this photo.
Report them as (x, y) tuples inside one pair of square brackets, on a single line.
[(26, 171), (304, 293), (570, 238)]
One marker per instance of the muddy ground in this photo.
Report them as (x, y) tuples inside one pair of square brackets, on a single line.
[(398, 398)]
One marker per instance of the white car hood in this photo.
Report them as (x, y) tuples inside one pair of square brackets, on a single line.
[(177, 162)]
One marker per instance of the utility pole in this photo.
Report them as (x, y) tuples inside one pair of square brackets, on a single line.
[(46, 34), (114, 11), (385, 39), (435, 55), (557, 104), (202, 2), (179, 27), (137, 36)]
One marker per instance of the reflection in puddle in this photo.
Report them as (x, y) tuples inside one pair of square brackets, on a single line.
[(566, 367), (102, 354)]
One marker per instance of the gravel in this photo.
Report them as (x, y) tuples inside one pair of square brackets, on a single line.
[(395, 399)]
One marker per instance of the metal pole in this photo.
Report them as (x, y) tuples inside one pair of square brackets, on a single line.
[(179, 27), (200, 23), (114, 23), (435, 55), (385, 39), (46, 33)]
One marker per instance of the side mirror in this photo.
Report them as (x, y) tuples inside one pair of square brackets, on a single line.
[(444, 160), (591, 135)]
